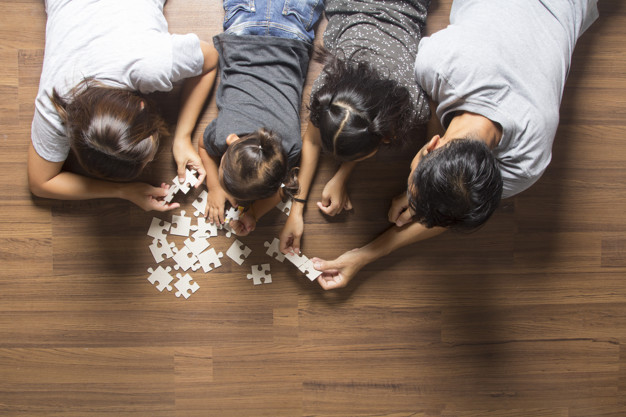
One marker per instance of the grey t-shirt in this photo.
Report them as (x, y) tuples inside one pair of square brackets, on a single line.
[(118, 43), (508, 61), (383, 33), (261, 82)]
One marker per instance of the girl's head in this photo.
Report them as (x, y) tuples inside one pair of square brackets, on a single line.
[(254, 167), (357, 109), (113, 132)]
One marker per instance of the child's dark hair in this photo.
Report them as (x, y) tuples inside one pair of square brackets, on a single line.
[(255, 167), (113, 132), (357, 108)]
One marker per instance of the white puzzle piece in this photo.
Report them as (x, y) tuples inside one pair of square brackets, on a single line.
[(162, 249), (208, 258), (159, 228), (204, 229), (308, 270), (185, 259), (260, 274), (285, 206), (184, 286), (162, 276), (297, 260), (190, 181), (238, 252), (273, 250), (170, 193), (229, 231), (197, 244), (200, 203), (180, 224), (232, 214)]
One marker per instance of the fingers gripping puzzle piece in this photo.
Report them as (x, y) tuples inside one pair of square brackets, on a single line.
[(204, 229), (158, 230), (261, 274), (200, 203), (170, 193), (190, 181), (208, 258), (185, 259), (297, 260), (308, 270), (197, 245), (238, 252), (284, 206), (162, 276), (184, 286), (162, 249), (180, 224), (273, 250)]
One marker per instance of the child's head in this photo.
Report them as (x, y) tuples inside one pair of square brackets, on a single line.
[(254, 167), (357, 109), (113, 132)]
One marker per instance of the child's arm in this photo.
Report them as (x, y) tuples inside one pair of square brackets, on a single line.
[(294, 226), (194, 94), (247, 222), (46, 179), (335, 197), (216, 195)]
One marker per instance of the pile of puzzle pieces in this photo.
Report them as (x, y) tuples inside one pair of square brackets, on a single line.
[(197, 254)]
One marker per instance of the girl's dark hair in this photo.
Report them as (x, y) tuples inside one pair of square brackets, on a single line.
[(255, 167), (458, 186), (357, 108), (113, 132)]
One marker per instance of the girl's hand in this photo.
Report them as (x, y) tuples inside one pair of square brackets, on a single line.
[(399, 213), (148, 197), (291, 234), (339, 272), (244, 225), (334, 198), (215, 202), (185, 156)]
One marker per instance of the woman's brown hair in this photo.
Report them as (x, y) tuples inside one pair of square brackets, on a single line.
[(113, 132)]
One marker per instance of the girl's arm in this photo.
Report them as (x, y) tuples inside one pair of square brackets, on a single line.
[(294, 226), (46, 179), (194, 94), (337, 273), (216, 195)]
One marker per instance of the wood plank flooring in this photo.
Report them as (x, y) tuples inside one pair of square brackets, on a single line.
[(524, 318)]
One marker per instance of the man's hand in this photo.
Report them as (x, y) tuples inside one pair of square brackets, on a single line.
[(335, 198), (148, 197), (339, 272), (399, 213)]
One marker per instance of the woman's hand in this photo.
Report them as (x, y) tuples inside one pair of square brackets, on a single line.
[(148, 197), (245, 224), (399, 213), (335, 197), (292, 233), (339, 272), (185, 156)]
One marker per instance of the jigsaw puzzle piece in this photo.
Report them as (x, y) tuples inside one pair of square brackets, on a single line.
[(238, 252), (204, 229), (181, 224), (200, 203), (285, 206), (273, 250), (308, 270), (260, 274), (174, 188), (158, 229), (232, 214), (297, 260), (162, 276), (162, 249), (184, 286), (229, 231), (197, 245), (190, 181), (185, 259), (208, 258)]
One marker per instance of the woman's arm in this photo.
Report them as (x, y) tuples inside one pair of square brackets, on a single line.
[(337, 273), (194, 94), (294, 226), (46, 179), (335, 197)]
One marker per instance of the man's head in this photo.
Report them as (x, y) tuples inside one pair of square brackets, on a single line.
[(454, 183)]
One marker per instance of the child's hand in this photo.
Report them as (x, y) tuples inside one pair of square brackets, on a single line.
[(215, 202), (148, 197), (291, 234), (244, 225), (334, 198), (399, 213)]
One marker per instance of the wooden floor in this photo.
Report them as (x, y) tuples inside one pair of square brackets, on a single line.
[(525, 318)]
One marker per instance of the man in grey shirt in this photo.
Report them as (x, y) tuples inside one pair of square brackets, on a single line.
[(497, 73)]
